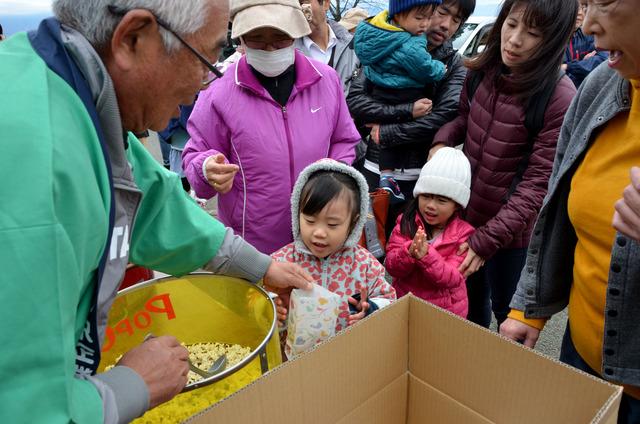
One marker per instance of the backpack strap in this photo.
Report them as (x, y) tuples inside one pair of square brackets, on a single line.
[(474, 78), (533, 122), (534, 118)]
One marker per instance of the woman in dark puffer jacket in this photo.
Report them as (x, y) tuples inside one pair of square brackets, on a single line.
[(510, 166)]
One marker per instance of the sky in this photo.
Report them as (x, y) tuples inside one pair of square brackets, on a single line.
[(24, 7)]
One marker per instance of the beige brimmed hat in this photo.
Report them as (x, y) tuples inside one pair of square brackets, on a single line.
[(285, 15), (353, 17)]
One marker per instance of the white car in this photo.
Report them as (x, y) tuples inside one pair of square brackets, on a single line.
[(471, 38)]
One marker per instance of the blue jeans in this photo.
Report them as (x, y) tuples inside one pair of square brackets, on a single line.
[(629, 406), (493, 285)]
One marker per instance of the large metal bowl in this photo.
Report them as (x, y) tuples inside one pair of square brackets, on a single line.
[(197, 308)]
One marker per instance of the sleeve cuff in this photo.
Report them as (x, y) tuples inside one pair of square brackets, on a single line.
[(128, 393), (537, 323), (238, 258), (379, 302), (204, 167)]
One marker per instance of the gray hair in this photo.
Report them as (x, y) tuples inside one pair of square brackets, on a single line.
[(93, 20)]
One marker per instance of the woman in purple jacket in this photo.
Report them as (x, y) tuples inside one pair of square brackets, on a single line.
[(271, 115), (510, 164)]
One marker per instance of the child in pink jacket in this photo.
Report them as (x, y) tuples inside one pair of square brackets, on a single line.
[(422, 252), (329, 207)]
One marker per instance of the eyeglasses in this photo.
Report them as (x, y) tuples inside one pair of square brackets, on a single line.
[(213, 73)]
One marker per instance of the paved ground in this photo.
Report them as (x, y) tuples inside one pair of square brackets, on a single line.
[(551, 336)]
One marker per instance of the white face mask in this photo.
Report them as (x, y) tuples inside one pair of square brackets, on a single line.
[(271, 64)]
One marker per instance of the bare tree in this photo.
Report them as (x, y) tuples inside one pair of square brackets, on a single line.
[(338, 7)]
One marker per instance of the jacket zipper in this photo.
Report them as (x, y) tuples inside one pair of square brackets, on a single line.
[(290, 145), (324, 273)]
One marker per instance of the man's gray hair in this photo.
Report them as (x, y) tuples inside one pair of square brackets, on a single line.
[(93, 19)]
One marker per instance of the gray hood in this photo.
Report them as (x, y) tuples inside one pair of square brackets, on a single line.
[(329, 165)]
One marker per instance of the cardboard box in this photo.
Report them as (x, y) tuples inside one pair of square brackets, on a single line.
[(414, 363)]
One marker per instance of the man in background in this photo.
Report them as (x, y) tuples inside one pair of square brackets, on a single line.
[(329, 42), (581, 56)]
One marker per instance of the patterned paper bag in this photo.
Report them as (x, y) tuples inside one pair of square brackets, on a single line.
[(312, 318)]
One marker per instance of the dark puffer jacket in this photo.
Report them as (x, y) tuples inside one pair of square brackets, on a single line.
[(495, 141), (398, 129)]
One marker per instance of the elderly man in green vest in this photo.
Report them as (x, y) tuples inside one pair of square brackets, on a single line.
[(76, 180)]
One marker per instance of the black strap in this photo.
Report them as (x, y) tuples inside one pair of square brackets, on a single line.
[(533, 122), (333, 55), (472, 82)]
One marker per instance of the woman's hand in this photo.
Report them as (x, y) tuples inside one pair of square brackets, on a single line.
[(419, 247), (434, 149), (471, 263), (375, 132), (626, 217), (520, 332), (362, 307), (220, 174)]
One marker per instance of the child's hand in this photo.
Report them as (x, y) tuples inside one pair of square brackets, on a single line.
[(375, 132), (422, 107), (419, 247), (362, 306), (281, 310)]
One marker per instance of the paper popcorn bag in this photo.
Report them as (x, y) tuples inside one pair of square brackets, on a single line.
[(312, 318)]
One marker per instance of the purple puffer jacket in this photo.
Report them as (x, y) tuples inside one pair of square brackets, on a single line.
[(237, 117), (495, 141)]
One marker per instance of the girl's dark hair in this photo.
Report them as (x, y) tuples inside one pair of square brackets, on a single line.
[(408, 225), (324, 186), (555, 20)]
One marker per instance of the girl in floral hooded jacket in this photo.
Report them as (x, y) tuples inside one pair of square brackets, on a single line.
[(329, 207)]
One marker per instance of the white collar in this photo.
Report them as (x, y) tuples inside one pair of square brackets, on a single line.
[(333, 40)]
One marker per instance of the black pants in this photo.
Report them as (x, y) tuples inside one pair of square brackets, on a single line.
[(629, 412), (493, 285)]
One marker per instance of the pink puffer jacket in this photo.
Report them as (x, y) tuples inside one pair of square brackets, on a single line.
[(435, 278)]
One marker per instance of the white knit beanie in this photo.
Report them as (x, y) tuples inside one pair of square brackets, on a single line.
[(448, 174)]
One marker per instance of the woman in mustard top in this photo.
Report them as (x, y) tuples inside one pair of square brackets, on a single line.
[(585, 251)]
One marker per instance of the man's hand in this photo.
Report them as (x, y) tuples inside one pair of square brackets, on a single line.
[(220, 174), (285, 274), (422, 107), (362, 307), (419, 246), (471, 263), (434, 149), (162, 364), (590, 55), (626, 217), (375, 132), (520, 332)]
